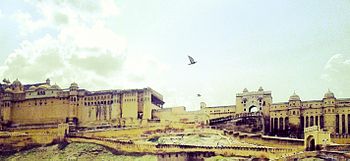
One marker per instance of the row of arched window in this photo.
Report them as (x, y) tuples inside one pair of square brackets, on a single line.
[(342, 123), (279, 124)]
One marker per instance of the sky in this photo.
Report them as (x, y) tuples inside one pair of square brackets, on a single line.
[(283, 46)]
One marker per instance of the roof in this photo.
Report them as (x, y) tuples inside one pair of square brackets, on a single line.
[(309, 101), (228, 106), (343, 99), (27, 86), (279, 103)]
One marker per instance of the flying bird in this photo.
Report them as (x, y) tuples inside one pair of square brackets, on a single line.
[(198, 95), (191, 60)]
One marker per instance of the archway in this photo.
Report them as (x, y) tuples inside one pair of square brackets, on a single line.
[(75, 121), (310, 143), (253, 109)]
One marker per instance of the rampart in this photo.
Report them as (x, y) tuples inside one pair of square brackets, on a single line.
[(151, 148)]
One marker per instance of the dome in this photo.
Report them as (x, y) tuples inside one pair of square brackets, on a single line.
[(245, 90), (74, 84), (17, 83), (8, 90), (260, 89), (329, 94), (294, 97), (203, 105), (44, 86), (55, 86), (32, 88)]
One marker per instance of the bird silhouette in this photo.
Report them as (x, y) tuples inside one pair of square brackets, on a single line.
[(198, 95), (191, 60)]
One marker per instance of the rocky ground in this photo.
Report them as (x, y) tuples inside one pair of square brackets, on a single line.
[(85, 152), (199, 139), (73, 151)]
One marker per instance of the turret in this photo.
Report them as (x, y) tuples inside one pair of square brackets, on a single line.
[(73, 87), (17, 86), (294, 106), (73, 106), (329, 111), (48, 81), (329, 99), (203, 105), (294, 100)]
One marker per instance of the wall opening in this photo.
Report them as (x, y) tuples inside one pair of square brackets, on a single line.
[(310, 143), (253, 109)]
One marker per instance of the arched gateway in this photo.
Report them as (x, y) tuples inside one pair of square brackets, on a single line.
[(314, 137), (310, 143), (253, 109)]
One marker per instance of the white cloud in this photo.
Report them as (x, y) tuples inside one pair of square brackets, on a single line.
[(28, 25), (82, 48), (337, 72)]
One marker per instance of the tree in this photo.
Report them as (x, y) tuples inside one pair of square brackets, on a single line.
[(6, 81)]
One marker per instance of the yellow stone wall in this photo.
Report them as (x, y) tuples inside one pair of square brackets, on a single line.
[(42, 103), (129, 105), (311, 113), (219, 111), (179, 115), (260, 99), (50, 110)]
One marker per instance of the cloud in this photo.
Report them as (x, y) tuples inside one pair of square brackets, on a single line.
[(336, 73), (28, 25), (49, 57), (80, 48)]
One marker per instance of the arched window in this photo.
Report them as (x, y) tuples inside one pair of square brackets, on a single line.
[(281, 124), (301, 122), (343, 123), (311, 120), (337, 124), (348, 123), (275, 124), (271, 130)]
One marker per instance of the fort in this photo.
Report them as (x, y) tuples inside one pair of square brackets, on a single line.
[(126, 120), (43, 104)]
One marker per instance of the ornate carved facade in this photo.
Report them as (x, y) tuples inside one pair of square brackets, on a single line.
[(290, 118)]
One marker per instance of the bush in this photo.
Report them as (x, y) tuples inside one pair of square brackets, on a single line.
[(62, 145)]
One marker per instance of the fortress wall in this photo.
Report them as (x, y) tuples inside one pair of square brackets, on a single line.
[(20, 139), (50, 111), (271, 141), (341, 139)]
